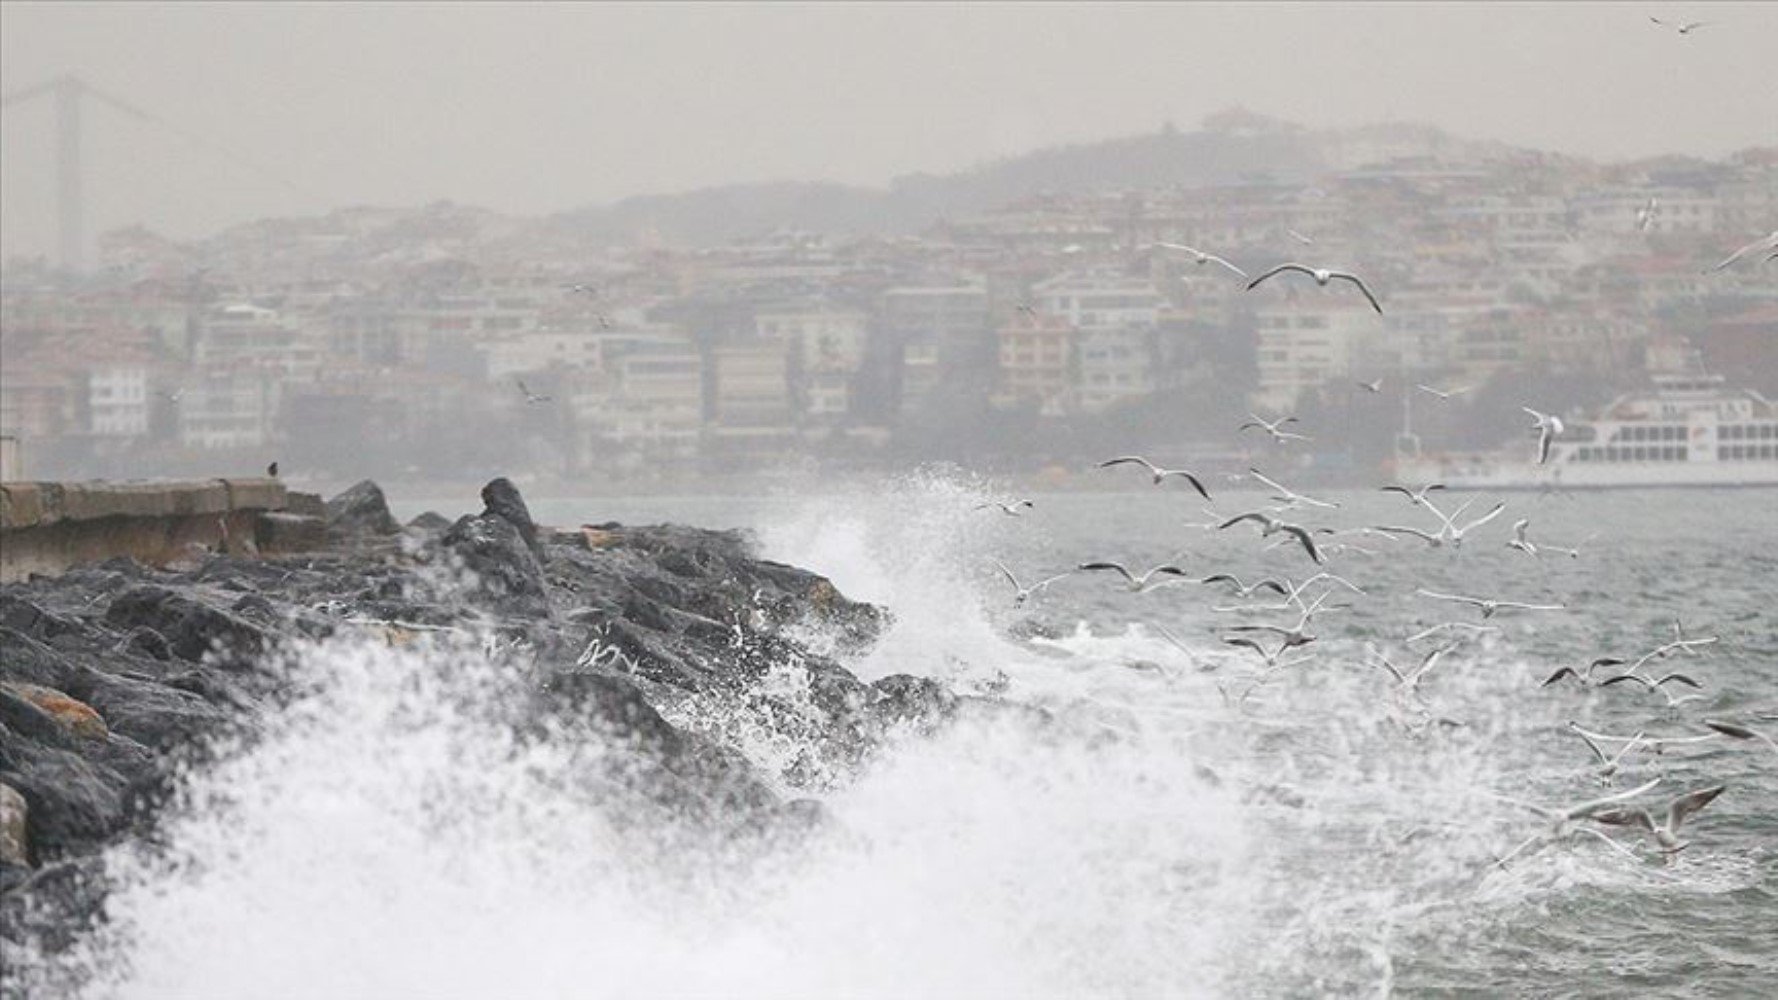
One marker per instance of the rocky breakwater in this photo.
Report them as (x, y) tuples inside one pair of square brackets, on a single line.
[(114, 677)]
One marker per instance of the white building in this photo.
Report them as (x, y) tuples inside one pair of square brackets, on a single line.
[(117, 401)]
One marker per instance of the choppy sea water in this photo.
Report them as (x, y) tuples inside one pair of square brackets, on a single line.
[(1179, 830)]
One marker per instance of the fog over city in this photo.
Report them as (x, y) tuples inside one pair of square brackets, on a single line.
[(721, 239)]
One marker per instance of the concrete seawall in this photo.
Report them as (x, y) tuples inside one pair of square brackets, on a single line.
[(49, 527)]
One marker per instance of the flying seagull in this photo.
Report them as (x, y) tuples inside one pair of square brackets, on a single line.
[(1608, 766), (1666, 833), (1022, 593), (1448, 626), (1270, 656), (1009, 509), (1271, 427), (1561, 817), (1141, 583), (1683, 27), (1584, 675), (1157, 472), (1548, 427), (1243, 590), (582, 288), (1270, 526), (1201, 258), (531, 397), (1374, 385), (1655, 744), (1448, 532), (1288, 496), (1322, 276), (1299, 237), (1490, 608), (1415, 497), (1645, 216), (1409, 683)]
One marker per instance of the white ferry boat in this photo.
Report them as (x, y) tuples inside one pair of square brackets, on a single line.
[(1687, 430)]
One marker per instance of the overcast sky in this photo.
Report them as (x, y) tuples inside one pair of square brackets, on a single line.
[(532, 108)]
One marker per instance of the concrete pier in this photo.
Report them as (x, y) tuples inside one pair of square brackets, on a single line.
[(49, 527)]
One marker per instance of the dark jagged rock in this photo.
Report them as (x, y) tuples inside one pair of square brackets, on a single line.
[(501, 499), (145, 670), (360, 511), (430, 522)]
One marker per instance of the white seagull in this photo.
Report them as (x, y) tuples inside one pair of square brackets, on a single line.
[(1009, 509), (1449, 532), (1683, 27), (1645, 216), (1740, 732), (1665, 833), (1270, 525), (1409, 683), (1157, 472), (1299, 237), (1289, 497), (1271, 427), (1490, 608), (1201, 258), (1608, 766), (1584, 675), (1440, 393), (1561, 817), (1243, 590), (1322, 276), (1548, 427), (1415, 497), (532, 397), (1022, 593), (1374, 385), (1141, 583)]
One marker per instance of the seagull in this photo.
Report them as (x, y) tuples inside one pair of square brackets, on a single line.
[(1490, 608), (1409, 683), (1652, 685), (1767, 243), (1158, 472), (1645, 216), (1009, 509), (1270, 656), (1271, 427), (1296, 635), (1029, 311), (1415, 497), (1665, 834), (1448, 532), (272, 470), (1022, 593), (1585, 675), (1608, 766), (1245, 591), (1322, 276), (1549, 427), (1289, 497), (1561, 817), (531, 397), (173, 397), (582, 288), (1683, 27), (1201, 258), (1270, 525), (1740, 732), (1440, 393), (1374, 385), (1299, 237), (1138, 584)]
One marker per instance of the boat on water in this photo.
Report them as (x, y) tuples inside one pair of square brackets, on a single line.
[(1687, 429)]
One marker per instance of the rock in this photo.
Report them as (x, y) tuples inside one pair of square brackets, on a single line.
[(191, 627), (75, 717), (430, 522), (501, 499), (505, 570), (277, 532), (359, 512), (15, 814)]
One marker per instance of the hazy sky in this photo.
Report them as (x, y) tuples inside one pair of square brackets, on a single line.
[(531, 108)]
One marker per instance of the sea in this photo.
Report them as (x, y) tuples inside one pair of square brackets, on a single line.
[(1171, 818)]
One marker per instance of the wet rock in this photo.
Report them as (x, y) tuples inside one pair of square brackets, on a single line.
[(430, 522), (73, 802), (15, 815), (902, 699), (501, 499), (504, 570), (191, 627), (360, 511), (75, 717)]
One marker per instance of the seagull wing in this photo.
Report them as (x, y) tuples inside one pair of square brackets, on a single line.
[(1280, 269), (1114, 567), (1008, 574), (1226, 264), (1308, 542), (1406, 531), (1274, 586), (1544, 440), (1609, 681), (1558, 675), (1188, 477), (1129, 460), (1588, 808), (1477, 602), (1260, 516), (1625, 817), (1356, 280), (1273, 483), (1485, 518), (1598, 753), (1690, 803), (1679, 679)]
